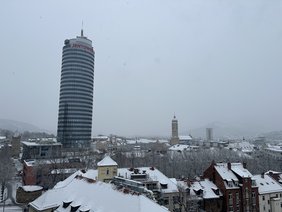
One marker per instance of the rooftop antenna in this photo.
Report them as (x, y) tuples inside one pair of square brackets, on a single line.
[(82, 29)]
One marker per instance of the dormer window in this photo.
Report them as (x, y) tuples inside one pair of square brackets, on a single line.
[(216, 191), (74, 208), (66, 204), (163, 185), (229, 183)]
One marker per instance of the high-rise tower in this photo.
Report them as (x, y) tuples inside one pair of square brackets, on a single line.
[(76, 93), (174, 131)]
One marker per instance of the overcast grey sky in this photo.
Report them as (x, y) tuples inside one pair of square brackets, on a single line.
[(205, 60)]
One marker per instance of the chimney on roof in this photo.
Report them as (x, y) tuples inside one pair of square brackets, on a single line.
[(188, 183), (244, 165), (229, 166)]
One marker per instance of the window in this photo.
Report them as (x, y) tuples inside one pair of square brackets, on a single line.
[(230, 198), (263, 198), (247, 195), (230, 208), (108, 171), (166, 201)]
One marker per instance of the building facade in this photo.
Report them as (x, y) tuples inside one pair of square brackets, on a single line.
[(76, 93), (237, 184), (270, 193), (174, 131), (47, 173), (41, 150)]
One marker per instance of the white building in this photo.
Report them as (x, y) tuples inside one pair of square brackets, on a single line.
[(79, 193), (270, 193), (274, 151), (164, 189)]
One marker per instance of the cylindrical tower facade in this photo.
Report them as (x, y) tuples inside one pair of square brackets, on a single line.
[(76, 93)]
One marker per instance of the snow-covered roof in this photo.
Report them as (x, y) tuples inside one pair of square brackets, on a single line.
[(224, 172), (208, 187), (274, 149), (179, 147), (35, 162), (145, 141), (91, 174), (267, 184), (94, 196), (64, 171), (107, 161), (185, 137), (31, 188), (273, 172), (41, 143), (100, 137), (240, 170), (153, 175)]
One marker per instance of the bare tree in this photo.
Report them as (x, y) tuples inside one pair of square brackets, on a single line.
[(6, 169)]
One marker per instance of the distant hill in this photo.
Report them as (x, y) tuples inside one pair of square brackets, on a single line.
[(274, 135), (228, 131), (17, 126)]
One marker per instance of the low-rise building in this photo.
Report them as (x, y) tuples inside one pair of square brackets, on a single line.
[(79, 193), (202, 195), (27, 194), (239, 189), (47, 173), (270, 193), (41, 149), (275, 175), (144, 180), (164, 189), (274, 151), (107, 169)]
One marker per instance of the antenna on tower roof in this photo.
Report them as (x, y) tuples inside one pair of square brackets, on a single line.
[(82, 29)]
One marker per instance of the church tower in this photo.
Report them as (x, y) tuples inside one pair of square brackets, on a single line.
[(174, 131)]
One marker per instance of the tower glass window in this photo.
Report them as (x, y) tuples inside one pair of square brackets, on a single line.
[(76, 93)]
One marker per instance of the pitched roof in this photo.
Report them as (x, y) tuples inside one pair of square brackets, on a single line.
[(267, 184), (240, 170), (208, 187), (224, 172), (94, 196), (107, 161)]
